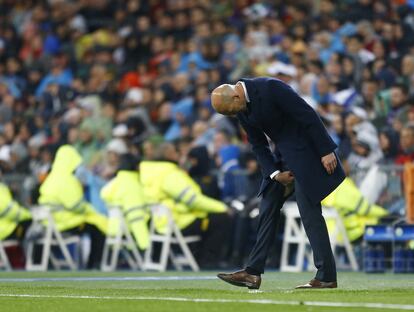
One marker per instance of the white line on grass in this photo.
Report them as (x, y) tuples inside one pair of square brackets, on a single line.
[(253, 301), (110, 279)]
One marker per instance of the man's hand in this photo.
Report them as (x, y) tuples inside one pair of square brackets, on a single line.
[(285, 177), (329, 162)]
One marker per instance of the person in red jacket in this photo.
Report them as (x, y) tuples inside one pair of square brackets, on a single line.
[(407, 146)]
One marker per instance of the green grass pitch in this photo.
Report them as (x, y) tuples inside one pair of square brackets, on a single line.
[(174, 291)]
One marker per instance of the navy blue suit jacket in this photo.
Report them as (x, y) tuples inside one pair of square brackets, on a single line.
[(301, 139)]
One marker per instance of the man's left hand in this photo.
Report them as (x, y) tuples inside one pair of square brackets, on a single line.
[(329, 162)]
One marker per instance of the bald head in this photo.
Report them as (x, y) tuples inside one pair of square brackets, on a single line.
[(228, 99)]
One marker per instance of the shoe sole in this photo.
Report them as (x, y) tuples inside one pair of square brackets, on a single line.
[(239, 284)]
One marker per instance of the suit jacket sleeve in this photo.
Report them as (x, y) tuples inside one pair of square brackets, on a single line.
[(292, 104), (268, 162)]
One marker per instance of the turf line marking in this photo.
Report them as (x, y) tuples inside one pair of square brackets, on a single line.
[(110, 279), (390, 306)]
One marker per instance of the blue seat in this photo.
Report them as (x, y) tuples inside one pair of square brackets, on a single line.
[(404, 233), (379, 233)]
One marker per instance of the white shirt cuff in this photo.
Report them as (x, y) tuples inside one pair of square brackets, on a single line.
[(274, 174)]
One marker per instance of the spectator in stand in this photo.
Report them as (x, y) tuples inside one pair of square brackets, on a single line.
[(221, 139), (230, 177), (389, 142), (406, 153), (111, 158), (369, 91), (126, 192), (14, 219), (200, 171), (194, 213), (407, 71), (87, 144), (365, 151), (399, 109), (63, 194)]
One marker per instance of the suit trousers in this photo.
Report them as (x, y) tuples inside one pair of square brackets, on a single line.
[(313, 222)]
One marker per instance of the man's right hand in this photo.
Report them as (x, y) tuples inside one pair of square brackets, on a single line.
[(285, 177)]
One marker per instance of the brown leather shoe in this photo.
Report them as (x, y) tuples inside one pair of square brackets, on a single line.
[(242, 279), (314, 283)]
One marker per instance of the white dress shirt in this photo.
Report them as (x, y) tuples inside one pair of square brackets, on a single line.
[(274, 174)]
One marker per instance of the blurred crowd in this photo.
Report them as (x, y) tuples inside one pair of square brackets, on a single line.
[(112, 78)]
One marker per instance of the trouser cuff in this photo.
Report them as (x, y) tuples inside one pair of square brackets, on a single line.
[(252, 271)]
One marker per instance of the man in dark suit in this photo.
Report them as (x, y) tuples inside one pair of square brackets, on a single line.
[(303, 160)]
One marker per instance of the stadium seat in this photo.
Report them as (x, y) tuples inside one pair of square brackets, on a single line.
[(379, 233), (376, 239), (173, 236), (44, 232), (294, 235), (4, 260), (120, 241)]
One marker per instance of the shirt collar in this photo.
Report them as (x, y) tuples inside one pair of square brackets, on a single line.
[(245, 90), (246, 95)]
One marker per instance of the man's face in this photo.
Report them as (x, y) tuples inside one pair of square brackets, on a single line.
[(397, 97), (350, 122), (219, 141), (148, 150), (171, 153), (384, 142), (369, 89), (407, 139), (359, 149), (252, 166), (323, 85), (353, 45), (407, 66), (337, 124), (113, 158), (85, 136)]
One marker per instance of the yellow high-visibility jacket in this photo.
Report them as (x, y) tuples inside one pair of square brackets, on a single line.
[(166, 183), (63, 193), (11, 213), (354, 209), (126, 192)]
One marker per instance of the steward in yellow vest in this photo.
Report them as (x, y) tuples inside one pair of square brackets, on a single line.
[(14, 219), (126, 192), (62, 192), (194, 213), (355, 210)]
